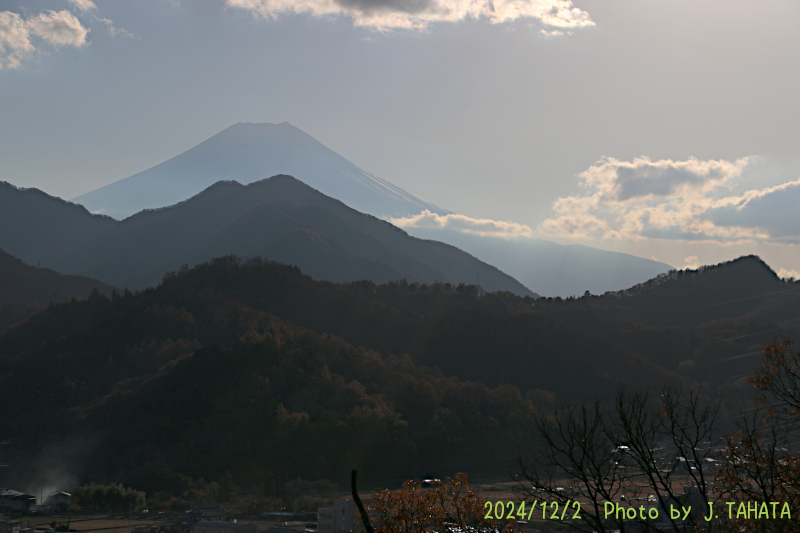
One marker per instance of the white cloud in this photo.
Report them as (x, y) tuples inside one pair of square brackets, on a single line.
[(687, 200), (556, 15), (786, 273), (773, 210), (476, 226), (83, 5), (115, 31), (14, 40), (691, 262), (56, 28), (619, 181), (577, 224), (553, 32)]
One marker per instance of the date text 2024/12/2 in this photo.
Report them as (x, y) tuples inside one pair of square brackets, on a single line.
[(570, 510)]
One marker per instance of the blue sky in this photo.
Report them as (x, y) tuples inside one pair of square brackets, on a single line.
[(662, 128)]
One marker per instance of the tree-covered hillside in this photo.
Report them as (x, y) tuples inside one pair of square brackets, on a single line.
[(252, 367)]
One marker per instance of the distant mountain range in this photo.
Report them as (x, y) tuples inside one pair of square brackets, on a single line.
[(279, 218), (247, 152)]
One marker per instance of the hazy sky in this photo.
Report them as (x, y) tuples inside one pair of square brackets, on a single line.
[(664, 128)]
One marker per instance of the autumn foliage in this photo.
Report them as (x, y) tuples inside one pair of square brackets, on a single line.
[(448, 507), (762, 462)]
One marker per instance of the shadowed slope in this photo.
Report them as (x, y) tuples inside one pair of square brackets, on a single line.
[(279, 218)]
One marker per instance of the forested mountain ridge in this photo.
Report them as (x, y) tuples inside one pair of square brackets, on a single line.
[(179, 376), (732, 289), (216, 302), (168, 376)]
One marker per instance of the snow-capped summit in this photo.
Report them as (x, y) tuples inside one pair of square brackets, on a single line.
[(248, 152)]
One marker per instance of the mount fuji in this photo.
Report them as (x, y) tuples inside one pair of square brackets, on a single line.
[(246, 153)]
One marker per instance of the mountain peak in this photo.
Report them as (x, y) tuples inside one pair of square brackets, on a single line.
[(731, 281), (284, 123), (263, 135), (248, 152), (263, 125)]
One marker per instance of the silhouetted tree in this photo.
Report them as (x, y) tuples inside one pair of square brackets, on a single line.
[(642, 448), (762, 464)]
